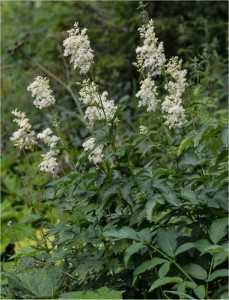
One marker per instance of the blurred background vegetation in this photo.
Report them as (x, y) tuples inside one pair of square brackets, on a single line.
[(32, 36)]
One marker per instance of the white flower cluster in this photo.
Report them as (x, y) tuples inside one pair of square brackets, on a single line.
[(41, 92), (99, 107), (49, 162), (143, 130), (148, 94), (23, 137), (48, 138), (77, 45), (172, 104), (96, 154), (151, 55)]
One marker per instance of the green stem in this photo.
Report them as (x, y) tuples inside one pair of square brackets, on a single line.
[(209, 273)]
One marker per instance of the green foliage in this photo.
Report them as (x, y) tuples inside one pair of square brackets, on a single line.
[(150, 221), (101, 293), (35, 283)]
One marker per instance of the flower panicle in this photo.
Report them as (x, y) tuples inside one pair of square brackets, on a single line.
[(77, 46), (96, 154), (42, 93), (24, 137)]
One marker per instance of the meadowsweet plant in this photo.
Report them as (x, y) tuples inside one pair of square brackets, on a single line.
[(144, 216)]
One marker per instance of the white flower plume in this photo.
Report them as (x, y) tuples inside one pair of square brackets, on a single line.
[(42, 93), (77, 46)]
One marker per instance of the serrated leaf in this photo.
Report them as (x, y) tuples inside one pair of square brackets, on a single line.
[(164, 269), (147, 265), (189, 159), (172, 199), (218, 273), (202, 244), (196, 271), (212, 249), (124, 233), (187, 194), (150, 205), (30, 218), (183, 144), (163, 281), (145, 235), (219, 258), (166, 239), (218, 230), (184, 247), (134, 248), (39, 283)]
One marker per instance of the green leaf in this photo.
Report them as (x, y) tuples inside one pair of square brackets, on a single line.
[(145, 235), (200, 291), (184, 296), (212, 249), (150, 205), (163, 281), (30, 218), (166, 239), (43, 282), (196, 271), (124, 233), (187, 194), (202, 244), (219, 258), (218, 229), (172, 199), (224, 137), (183, 144), (184, 247), (189, 159), (147, 265), (164, 269), (218, 273), (134, 248), (102, 293)]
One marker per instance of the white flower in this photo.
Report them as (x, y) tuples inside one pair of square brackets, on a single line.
[(151, 55), (175, 116), (48, 138), (148, 94), (89, 144), (49, 162), (143, 130), (23, 137), (99, 107), (77, 45), (96, 155), (89, 93), (41, 92), (172, 105)]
